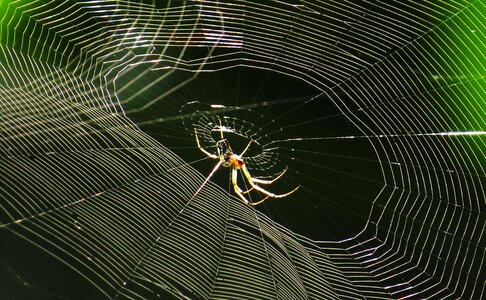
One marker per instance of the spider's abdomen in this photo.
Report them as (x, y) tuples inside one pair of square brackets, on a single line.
[(233, 160)]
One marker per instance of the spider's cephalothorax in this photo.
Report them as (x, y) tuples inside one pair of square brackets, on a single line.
[(229, 159), (223, 147)]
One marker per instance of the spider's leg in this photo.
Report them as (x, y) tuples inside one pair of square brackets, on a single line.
[(247, 191), (260, 189), (246, 148), (272, 195), (201, 148), (209, 176), (262, 181), (238, 191), (258, 202)]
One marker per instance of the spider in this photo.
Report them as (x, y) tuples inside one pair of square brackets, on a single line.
[(228, 159)]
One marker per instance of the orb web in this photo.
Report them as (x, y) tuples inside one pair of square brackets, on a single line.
[(377, 110)]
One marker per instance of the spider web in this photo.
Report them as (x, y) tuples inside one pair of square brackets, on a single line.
[(375, 109)]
